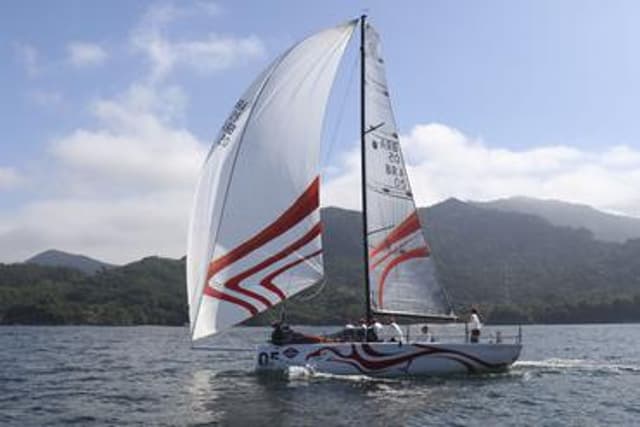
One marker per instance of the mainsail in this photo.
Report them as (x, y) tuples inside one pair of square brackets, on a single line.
[(255, 234), (401, 271)]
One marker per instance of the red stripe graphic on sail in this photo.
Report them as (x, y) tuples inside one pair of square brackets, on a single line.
[(208, 290), (267, 282), (381, 260), (387, 256), (421, 252), (410, 225), (300, 209), (234, 282)]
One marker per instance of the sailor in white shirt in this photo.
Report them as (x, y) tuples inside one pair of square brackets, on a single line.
[(372, 329), (426, 334), (377, 329), (396, 330), (474, 320)]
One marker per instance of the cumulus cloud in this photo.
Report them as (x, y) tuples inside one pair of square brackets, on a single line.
[(83, 54), (118, 230), (212, 53), (124, 186), (133, 144), (443, 162), (9, 178), (121, 188)]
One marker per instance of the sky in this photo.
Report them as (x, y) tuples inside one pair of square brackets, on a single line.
[(109, 108)]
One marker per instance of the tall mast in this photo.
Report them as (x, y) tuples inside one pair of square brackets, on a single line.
[(365, 244)]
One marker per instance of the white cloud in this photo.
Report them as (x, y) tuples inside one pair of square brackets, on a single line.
[(118, 230), (124, 188), (342, 188), (215, 52), (29, 56), (83, 54), (9, 178), (443, 162), (136, 144)]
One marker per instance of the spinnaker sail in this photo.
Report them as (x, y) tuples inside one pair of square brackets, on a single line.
[(255, 233)]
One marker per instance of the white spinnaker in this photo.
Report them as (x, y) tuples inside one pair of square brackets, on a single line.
[(255, 230), (401, 270), (210, 191)]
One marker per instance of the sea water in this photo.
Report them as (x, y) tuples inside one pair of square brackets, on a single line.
[(575, 375)]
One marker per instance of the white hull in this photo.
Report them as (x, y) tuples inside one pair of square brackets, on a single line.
[(389, 359)]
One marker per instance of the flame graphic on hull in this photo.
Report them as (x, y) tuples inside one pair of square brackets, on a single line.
[(366, 359)]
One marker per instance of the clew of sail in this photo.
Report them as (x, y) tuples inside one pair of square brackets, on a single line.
[(401, 270), (255, 233)]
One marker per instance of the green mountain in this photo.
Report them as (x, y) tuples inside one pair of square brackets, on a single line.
[(520, 262), (149, 291), (55, 258), (515, 266), (605, 226)]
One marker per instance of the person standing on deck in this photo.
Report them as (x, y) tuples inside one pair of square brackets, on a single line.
[(474, 320)]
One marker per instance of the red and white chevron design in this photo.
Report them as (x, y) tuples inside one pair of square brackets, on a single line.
[(261, 275)]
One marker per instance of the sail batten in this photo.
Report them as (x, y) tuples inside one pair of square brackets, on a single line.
[(255, 235), (401, 271)]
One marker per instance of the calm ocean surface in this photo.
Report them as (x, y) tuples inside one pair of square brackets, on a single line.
[(568, 376)]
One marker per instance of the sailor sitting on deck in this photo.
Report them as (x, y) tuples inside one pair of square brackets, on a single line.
[(347, 334), (426, 334), (396, 330), (372, 330), (282, 334)]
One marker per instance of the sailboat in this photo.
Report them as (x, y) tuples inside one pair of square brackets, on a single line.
[(255, 237)]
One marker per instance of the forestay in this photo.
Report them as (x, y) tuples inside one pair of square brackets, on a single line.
[(255, 234), (401, 269)]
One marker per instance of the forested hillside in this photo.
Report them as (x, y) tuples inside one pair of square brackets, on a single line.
[(515, 266)]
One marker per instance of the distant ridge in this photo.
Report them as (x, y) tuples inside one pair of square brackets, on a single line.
[(517, 267), (604, 226), (56, 258)]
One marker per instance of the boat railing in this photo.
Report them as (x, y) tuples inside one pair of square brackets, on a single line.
[(490, 334), (493, 336)]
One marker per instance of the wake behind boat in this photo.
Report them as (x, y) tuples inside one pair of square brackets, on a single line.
[(255, 236)]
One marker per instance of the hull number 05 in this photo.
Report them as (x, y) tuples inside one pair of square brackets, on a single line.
[(264, 358)]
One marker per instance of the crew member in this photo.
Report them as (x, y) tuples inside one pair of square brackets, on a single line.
[(397, 331), (474, 320), (426, 334)]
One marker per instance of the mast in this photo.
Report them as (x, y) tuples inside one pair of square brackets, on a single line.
[(363, 163)]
